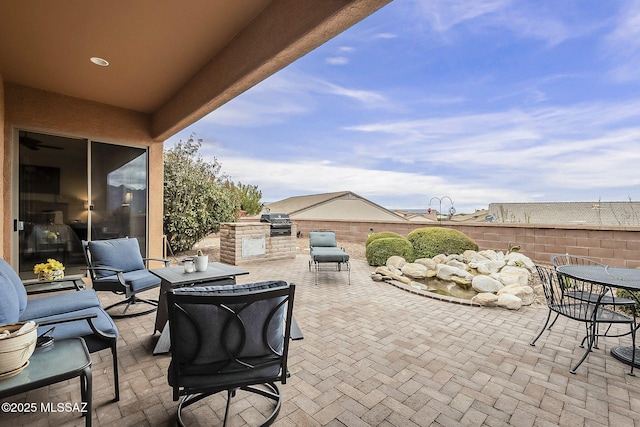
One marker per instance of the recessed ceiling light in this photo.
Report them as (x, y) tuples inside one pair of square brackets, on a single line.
[(99, 61)]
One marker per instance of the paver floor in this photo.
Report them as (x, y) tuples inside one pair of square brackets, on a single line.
[(375, 355)]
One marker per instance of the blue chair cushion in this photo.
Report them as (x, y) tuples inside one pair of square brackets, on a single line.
[(60, 303), (9, 306), (325, 254), (8, 275), (322, 238), (139, 280), (123, 254), (80, 328)]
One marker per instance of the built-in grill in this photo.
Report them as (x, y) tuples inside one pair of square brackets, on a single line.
[(280, 223)]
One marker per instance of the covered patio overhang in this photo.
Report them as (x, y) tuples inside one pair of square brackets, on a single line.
[(170, 64)]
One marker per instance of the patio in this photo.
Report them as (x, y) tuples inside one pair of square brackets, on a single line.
[(374, 354)]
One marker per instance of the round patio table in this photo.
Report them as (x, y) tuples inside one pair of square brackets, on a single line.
[(616, 277)]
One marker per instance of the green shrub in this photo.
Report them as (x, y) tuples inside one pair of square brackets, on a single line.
[(430, 241), (196, 199), (381, 235), (381, 249)]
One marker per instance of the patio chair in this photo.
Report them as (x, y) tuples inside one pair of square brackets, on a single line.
[(582, 301), (74, 314), (609, 298), (229, 337), (116, 265), (324, 249)]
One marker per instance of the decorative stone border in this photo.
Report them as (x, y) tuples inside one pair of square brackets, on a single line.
[(432, 295)]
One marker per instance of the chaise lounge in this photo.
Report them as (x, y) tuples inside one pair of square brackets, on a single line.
[(324, 249)]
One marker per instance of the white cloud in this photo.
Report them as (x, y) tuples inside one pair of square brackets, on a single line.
[(622, 45), (386, 36), (518, 17), (278, 180), (337, 60), (367, 97)]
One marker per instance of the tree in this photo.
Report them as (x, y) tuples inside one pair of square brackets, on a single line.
[(197, 197), (250, 198)]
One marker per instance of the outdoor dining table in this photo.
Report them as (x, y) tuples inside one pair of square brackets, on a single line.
[(216, 273), (616, 277)]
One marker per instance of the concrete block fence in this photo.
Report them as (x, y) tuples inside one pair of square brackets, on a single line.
[(612, 245)]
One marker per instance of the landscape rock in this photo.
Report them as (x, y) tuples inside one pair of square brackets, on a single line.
[(486, 299), (488, 266), (511, 275), (427, 262), (447, 272), (396, 262), (499, 280), (385, 271), (414, 270), (525, 293), (486, 284), (458, 264), (509, 301)]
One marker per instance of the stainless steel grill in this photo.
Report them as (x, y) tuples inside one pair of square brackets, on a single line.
[(280, 223)]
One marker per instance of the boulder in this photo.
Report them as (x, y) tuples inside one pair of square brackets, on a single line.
[(488, 266), (473, 256), (489, 254), (525, 293), (486, 299), (396, 262), (509, 301), (440, 258), (414, 270), (388, 273), (427, 262), (447, 272), (510, 275), (486, 284), (517, 259), (457, 263)]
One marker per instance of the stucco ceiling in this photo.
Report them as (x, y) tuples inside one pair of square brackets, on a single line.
[(153, 47), (174, 60)]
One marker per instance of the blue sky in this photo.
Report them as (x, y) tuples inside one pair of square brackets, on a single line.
[(480, 101)]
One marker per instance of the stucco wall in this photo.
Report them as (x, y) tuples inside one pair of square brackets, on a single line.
[(46, 112), (613, 245)]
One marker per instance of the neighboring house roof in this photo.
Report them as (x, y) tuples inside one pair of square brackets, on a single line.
[(579, 213), (338, 205), (479, 215)]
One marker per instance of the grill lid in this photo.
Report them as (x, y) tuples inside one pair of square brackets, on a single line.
[(275, 218)]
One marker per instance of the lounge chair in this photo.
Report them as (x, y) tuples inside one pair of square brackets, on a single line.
[(324, 249)]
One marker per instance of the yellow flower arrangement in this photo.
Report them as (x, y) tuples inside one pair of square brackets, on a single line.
[(49, 270)]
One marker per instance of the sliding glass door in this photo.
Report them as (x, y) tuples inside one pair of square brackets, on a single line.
[(118, 192), (71, 190)]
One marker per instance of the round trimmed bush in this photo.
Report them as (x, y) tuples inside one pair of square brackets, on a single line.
[(430, 241), (381, 249), (381, 235)]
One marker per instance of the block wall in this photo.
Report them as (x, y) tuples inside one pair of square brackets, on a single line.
[(612, 245)]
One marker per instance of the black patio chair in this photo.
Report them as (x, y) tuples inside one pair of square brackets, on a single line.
[(116, 265), (229, 338), (609, 298), (583, 302)]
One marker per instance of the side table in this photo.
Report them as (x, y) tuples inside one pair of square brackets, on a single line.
[(35, 286), (64, 360)]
